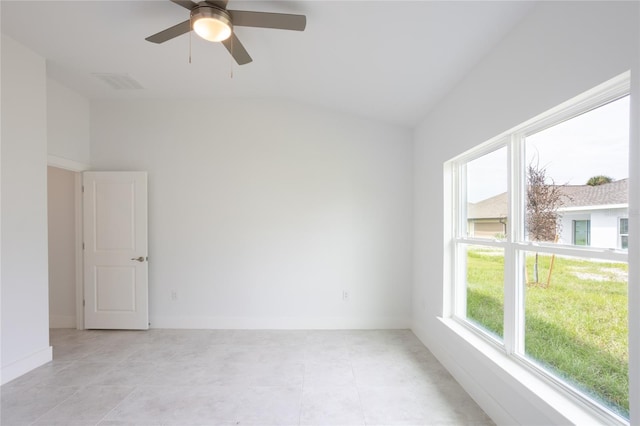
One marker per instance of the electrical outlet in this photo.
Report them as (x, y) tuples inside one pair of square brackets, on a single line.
[(174, 295), (345, 296)]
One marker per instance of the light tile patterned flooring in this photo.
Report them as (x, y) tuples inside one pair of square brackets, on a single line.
[(238, 377)]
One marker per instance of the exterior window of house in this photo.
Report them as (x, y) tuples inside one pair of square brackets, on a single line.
[(581, 232), (528, 271), (624, 233)]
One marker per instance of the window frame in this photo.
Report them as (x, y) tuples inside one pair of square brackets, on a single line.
[(574, 239), (621, 234), (516, 245)]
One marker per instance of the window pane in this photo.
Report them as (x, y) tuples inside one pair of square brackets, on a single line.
[(624, 226), (577, 178), (576, 324), (485, 288), (581, 232), (486, 189), (624, 242)]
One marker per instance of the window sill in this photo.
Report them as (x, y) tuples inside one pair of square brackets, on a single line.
[(555, 402)]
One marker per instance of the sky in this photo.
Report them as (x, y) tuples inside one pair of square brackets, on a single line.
[(594, 143)]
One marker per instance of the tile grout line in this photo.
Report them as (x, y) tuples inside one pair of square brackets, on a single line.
[(116, 406), (78, 388), (355, 379), (304, 376)]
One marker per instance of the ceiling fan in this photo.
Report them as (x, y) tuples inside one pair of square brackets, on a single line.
[(212, 21)]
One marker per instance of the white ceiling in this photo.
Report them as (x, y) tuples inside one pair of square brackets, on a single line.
[(390, 61)]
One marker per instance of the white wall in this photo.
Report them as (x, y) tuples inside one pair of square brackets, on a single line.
[(67, 123), (25, 310), (62, 248), (263, 212), (604, 226), (560, 50)]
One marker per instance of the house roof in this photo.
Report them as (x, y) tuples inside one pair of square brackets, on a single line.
[(584, 195), (574, 196), (491, 208)]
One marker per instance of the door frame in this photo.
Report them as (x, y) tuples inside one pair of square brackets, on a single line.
[(78, 168)]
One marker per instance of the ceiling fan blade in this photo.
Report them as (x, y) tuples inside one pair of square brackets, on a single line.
[(169, 33), (280, 21), (237, 50), (187, 4), (220, 3)]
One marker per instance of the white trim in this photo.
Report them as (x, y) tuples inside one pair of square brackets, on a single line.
[(616, 255), (482, 242), (596, 207), (26, 364), (634, 245), (575, 251), (486, 148), (79, 257), (449, 227), (596, 97), (65, 163), (279, 323)]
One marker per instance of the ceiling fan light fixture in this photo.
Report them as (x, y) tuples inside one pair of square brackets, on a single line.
[(211, 23)]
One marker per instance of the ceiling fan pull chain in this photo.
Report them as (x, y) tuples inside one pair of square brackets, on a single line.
[(231, 61), (190, 26)]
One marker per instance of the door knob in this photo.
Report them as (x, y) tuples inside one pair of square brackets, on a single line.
[(139, 259)]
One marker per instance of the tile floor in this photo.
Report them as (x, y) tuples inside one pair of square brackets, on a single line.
[(224, 377)]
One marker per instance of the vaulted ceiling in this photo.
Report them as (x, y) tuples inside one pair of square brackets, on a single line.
[(385, 60)]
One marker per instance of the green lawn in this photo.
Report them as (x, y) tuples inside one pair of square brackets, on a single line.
[(576, 327)]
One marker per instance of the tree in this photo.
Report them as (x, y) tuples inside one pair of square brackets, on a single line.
[(599, 180), (543, 201)]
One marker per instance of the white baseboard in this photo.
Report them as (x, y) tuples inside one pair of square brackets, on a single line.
[(250, 323), (62, 321), (23, 366)]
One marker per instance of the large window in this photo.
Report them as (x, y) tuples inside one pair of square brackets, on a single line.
[(539, 255)]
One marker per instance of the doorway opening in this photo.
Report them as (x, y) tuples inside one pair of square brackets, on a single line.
[(64, 235)]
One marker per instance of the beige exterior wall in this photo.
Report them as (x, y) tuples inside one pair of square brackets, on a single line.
[(485, 228)]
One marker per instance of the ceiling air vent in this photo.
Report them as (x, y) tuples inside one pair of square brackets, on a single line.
[(119, 81)]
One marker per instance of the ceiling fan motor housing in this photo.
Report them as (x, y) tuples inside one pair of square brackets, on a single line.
[(211, 22)]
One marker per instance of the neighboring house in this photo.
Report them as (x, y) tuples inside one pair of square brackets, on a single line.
[(488, 218), (590, 215)]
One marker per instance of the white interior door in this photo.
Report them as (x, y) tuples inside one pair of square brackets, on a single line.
[(115, 250)]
